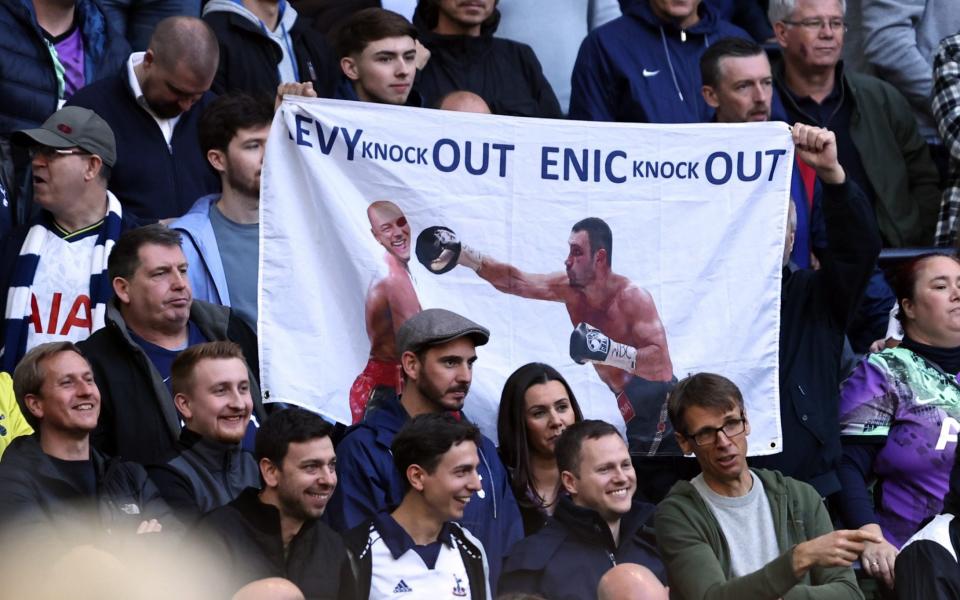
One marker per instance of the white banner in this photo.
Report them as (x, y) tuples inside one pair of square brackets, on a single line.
[(691, 281)]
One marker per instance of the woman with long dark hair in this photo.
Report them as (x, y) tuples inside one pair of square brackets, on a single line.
[(536, 406)]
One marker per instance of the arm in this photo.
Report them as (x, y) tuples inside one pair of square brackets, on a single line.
[(688, 547), (653, 358), (177, 492), (401, 298), (890, 46), (834, 582), (925, 569), (540, 89), (511, 280), (853, 240)]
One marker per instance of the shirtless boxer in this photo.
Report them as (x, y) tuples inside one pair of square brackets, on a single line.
[(617, 327), (391, 300)]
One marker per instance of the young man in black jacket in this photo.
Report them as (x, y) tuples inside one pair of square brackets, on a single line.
[(597, 523), (276, 531), (211, 386), (54, 484)]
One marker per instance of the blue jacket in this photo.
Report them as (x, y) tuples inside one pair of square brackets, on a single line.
[(28, 82), (370, 483), (638, 69), (207, 278), (566, 559), (151, 180)]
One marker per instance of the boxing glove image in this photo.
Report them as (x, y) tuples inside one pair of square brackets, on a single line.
[(589, 344), (439, 250)]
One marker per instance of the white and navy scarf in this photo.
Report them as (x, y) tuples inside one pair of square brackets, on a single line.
[(17, 317)]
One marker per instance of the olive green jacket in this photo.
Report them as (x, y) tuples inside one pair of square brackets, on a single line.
[(695, 550)]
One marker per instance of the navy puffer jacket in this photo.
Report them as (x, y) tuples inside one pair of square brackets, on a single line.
[(28, 81)]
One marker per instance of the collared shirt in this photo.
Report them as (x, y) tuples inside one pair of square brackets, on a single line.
[(166, 125), (398, 541)]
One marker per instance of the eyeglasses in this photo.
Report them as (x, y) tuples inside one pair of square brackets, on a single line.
[(708, 435), (818, 24), (48, 153)]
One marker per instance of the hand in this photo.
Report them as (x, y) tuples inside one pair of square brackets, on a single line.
[(817, 147), (878, 558), (151, 526), (835, 549), (423, 56), (293, 89)]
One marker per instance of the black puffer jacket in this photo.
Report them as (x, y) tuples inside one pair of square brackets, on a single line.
[(28, 82), (34, 492)]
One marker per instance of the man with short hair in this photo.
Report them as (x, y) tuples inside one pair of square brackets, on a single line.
[(265, 43), (642, 66), (222, 231), (277, 531), (151, 319), (878, 143), (460, 101), (378, 56), (744, 533), (153, 106), (391, 300), (53, 279), (465, 55), (597, 524), (738, 82), (211, 390), (437, 349), (50, 481), (417, 547)]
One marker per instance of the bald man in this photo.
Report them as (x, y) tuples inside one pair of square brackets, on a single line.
[(628, 581), (153, 106), (391, 300), (463, 101)]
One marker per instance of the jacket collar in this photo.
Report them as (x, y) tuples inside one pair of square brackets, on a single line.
[(586, 523), (26, 453), (213, 454), (641, 11)]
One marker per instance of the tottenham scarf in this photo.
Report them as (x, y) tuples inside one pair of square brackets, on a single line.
[(17, 317)]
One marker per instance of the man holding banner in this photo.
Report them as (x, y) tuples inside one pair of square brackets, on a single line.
[(616, 324)]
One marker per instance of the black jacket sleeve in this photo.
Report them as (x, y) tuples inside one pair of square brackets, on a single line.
[(925, 569)]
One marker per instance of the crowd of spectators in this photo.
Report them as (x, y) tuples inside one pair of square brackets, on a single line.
[(132, 136)]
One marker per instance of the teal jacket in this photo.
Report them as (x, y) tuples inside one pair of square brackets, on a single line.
[(695, 550)]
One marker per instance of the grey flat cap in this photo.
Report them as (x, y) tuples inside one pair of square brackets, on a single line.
[(73, 126), (437, 326)]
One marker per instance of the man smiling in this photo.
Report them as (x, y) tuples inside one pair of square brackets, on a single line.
[(418, 548), (211, 386), (276, 531), (596, 525)]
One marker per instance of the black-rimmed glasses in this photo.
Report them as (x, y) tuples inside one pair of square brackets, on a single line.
[(708, 435)]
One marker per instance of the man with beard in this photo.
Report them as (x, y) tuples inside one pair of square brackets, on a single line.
[(211, 386), (391, 300), (437, 349), (276, 531), (153, 106), (616, 324), (222, 231)]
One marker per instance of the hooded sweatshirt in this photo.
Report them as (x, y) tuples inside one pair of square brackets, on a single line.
[(640, 69), (255, 59)]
